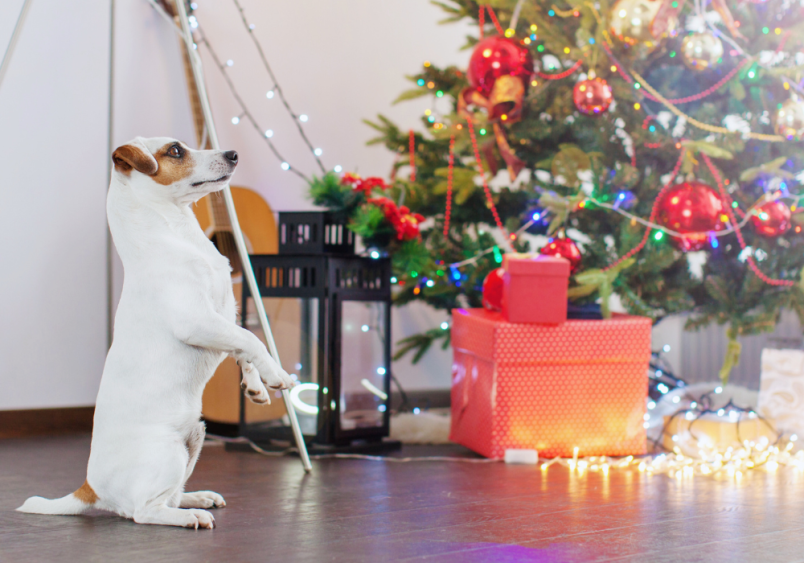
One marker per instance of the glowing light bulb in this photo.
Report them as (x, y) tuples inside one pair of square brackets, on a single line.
[(303, 118), (285, 166), (444, 325), (318, 152), (364, 328), (230, 62), (269, 133), (337, 168), (270, 94)]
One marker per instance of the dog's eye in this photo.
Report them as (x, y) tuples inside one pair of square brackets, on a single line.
[(175, 151)]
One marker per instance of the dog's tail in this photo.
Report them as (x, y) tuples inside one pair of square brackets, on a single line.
[(75, 503)]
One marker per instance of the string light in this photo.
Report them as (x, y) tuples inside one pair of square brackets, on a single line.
[(230, 62), (269, 133), (270, 94), (235, 120), (277, 87), (303, 118), (318, 152), (285, 166)]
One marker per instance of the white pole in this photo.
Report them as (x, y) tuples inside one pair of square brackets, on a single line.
[(15, 35), (248, 272)]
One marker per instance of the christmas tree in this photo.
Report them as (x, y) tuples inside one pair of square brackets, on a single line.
[(635, 135)]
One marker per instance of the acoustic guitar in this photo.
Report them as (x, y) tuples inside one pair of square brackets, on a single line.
[(221, 400)]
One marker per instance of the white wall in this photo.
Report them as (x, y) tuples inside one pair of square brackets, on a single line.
[(53, 155)]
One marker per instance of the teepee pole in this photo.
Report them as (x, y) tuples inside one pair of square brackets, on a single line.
[(248, 271)]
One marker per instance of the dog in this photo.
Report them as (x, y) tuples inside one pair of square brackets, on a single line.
[(174, 325)]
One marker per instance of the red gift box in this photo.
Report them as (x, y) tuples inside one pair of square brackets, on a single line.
[(535, 288), (581, 384)]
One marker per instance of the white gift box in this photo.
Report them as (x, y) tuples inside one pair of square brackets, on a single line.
[(781, 391)]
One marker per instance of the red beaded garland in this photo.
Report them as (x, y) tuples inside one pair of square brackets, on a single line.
[(566, 248), (493, 290), (772, 219), (691, 207), (593, 96), (497, 56)]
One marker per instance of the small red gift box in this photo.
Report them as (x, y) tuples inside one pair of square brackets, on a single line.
[(535, 288), (581, 384)]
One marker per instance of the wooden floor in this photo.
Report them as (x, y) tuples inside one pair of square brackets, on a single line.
[(357, 511)]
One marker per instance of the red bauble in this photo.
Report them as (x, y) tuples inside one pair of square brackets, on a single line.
[(566, 248), (772, 219), (593, 96), (498, 56), (493, 290), (691, 207)]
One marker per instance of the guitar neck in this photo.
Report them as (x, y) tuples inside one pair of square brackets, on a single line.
[(219, 217)]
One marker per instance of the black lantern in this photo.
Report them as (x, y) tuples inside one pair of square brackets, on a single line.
[(332, 311)]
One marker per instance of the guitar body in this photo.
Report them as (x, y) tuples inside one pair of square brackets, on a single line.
[(256, 219), (221, 401)]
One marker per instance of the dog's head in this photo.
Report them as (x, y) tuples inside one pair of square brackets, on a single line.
[(168, 170)]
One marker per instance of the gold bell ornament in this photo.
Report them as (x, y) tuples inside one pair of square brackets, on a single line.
[(644, 22), (790, 120), (701, 51)]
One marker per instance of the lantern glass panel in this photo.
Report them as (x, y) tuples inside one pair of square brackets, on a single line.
[(363, 392)]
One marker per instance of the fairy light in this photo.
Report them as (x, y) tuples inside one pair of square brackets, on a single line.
[(303, 118), (269, 133), (270, 94), (236, 120), (222, 67), (285, 166), (318, 152)]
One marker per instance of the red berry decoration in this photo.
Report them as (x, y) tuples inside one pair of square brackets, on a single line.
[(772, 219), (495, 57), (691, 207), (566, 248), (593, 96), (493, 290)]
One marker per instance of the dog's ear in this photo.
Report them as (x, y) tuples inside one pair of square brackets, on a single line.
[(136, 155)]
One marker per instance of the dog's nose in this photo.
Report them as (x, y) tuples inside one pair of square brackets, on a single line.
[(231, 156)]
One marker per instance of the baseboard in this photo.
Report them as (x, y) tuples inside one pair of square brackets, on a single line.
[(40, 422), (431, 399)]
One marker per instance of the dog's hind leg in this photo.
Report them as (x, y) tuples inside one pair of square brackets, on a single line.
[(167, 516), (198, 499), (161, 490)]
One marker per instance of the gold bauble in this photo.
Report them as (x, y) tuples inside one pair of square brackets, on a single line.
[(790, 120), (701, 51), (631, 21)]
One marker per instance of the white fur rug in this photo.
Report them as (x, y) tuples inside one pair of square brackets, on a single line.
[(427, 427)]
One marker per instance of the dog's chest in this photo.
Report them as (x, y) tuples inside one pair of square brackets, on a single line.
[(220, 283)]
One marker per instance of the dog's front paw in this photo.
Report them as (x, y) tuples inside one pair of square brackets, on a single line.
[(272, 374), (252, 384)]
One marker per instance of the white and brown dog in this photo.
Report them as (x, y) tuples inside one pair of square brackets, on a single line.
[(175, 323)]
